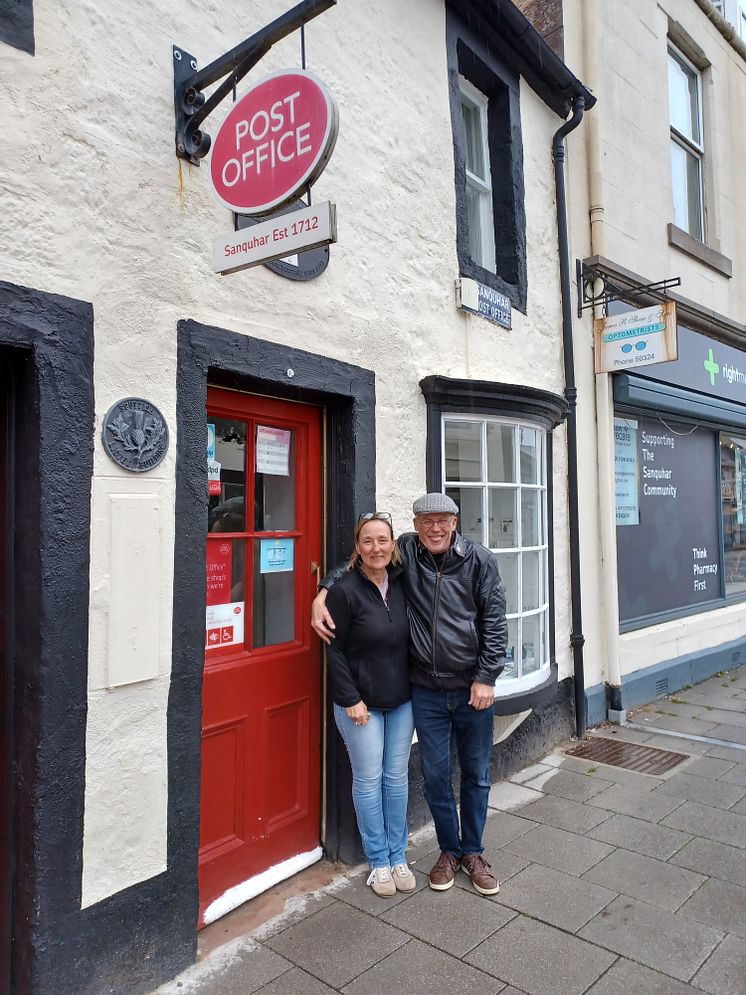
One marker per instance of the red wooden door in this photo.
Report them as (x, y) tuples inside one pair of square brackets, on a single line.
[(261, 698)]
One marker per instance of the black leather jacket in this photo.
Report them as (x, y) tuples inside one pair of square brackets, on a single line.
[(457, 620), (457, 623)]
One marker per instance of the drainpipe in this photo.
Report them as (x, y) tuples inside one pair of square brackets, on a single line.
[(577, 638), (609, 586)]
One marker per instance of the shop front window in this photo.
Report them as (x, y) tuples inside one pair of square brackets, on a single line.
[(733, 498), (681, 536), (495, 471)]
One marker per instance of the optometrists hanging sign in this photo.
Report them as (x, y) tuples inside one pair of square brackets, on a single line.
[(274, 143), (636, 338)]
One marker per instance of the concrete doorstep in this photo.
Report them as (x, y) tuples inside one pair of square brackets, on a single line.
[(612, 883)]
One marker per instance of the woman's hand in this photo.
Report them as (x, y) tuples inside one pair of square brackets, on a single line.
[(358, 713)]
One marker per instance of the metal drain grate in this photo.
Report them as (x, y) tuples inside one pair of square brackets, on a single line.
[(632, 756)]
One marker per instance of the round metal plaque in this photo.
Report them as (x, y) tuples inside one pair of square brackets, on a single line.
[(135, 434)]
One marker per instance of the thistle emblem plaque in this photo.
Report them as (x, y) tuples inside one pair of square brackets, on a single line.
[(135, 434)]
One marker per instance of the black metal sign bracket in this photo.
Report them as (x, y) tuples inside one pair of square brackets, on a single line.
[(190, 104), (595, 288)]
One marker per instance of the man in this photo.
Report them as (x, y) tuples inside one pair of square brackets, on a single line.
[(458, 637)]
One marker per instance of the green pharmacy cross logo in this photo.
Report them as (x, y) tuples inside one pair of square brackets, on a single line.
[(712, 367)]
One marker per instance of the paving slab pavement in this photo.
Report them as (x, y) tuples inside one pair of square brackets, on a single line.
[(613, 883)]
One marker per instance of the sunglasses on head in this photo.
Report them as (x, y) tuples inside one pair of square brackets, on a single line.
[(370, 515)]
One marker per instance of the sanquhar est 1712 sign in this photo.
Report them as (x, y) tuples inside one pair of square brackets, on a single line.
[(274, 143)]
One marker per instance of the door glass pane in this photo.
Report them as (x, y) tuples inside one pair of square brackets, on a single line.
[(224, 622), (226, 463), (500, 454), (531, 580), (274, 592), (463, 444), (531, 517), (469, 501), (502, 532), (507, 564), (531, 643), (529, 456), (510, 656), (274, 480)]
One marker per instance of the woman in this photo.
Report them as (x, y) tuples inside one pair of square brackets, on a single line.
[(369, 675)]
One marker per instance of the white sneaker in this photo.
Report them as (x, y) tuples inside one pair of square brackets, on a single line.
[(381, 882), (404, 879)]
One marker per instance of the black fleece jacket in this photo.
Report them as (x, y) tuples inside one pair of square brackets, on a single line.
[(369, 660)]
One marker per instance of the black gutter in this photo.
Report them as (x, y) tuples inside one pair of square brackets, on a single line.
[(510, 32), (577, 639)]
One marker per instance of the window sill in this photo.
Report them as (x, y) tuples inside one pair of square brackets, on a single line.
[(516, 695), (685, 242)]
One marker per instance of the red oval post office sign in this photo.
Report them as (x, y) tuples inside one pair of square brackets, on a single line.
[(275, 142)]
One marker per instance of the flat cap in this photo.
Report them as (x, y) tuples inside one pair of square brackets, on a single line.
[(433, 504)]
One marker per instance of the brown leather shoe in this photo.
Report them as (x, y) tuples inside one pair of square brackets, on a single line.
[(443, 872), (480, 872)]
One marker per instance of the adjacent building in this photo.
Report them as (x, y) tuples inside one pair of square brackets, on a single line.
[(657, 211)]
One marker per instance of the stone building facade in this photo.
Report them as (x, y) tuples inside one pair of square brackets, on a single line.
[(168, 751)]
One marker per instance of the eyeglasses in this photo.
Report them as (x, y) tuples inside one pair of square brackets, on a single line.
[(370, 515), (429, 523)]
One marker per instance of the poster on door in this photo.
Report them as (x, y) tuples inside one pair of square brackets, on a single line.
[(219, 572), (276, 555), (224, 625), (272, 451)]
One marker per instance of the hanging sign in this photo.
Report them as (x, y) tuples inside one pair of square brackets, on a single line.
[(274, 143), (636, 338), (302, 266), (273, 239)]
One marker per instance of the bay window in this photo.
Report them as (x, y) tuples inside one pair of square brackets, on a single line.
[(495, 470)]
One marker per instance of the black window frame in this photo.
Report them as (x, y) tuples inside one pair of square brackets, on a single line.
[(469, 56)]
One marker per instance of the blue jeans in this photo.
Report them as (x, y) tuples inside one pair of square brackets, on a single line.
[(379, 756), (437, 716)]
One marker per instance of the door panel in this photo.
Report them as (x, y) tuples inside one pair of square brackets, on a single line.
[(261, 725)]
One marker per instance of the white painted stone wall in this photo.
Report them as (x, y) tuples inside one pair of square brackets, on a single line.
[(619, 50), (96, 206)]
